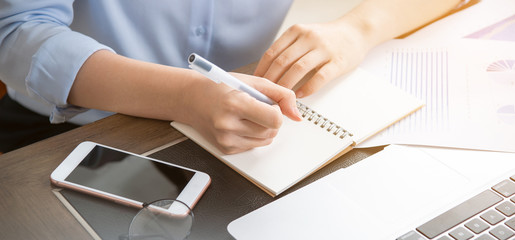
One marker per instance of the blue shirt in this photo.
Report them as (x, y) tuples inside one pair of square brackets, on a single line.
[(43, 43)]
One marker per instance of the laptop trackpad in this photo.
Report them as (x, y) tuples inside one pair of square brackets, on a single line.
[(399, 185)]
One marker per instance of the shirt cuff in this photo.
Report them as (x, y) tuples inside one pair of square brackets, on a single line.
[(54, 68)]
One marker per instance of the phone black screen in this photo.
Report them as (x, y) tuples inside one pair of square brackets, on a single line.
[(129, 176)]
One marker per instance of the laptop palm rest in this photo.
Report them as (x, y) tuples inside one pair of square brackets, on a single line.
[(373, 199)]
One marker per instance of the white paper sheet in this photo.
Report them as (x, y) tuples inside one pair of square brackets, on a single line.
[(469, 90), (462, 66)]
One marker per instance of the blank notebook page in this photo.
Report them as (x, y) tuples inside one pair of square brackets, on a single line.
[(362, 103)]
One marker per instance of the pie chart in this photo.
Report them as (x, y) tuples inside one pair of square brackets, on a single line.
[(502, 71)]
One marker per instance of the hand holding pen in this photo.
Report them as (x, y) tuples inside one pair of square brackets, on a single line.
[(241, 122), (218, 75)]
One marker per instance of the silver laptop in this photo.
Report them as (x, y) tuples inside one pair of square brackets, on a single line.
[(399, 193)]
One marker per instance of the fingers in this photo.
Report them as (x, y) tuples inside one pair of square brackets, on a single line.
[(244, 128), (287, 39), (303, 66), (321, 49), (241, 135), (231, 144), (284, 97), (295, 54), (324, 70), (319, 79), (249, 108), (245, 123), (284, 61), (234, 121)]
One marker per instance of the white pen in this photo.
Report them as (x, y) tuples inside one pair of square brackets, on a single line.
[(218, 75)]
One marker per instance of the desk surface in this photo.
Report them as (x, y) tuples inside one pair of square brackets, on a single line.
[(29, 208)]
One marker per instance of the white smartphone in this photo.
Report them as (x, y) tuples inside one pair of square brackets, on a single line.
[(128, 178)]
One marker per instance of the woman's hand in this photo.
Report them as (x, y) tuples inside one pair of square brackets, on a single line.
[(233, 120), (328, 50)]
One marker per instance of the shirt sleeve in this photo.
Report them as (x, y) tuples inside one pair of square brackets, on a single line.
[(40, 55)]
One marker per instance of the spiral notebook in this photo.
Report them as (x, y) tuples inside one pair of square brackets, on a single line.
[(337, 118)]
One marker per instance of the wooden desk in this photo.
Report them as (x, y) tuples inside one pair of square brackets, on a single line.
[(29, 209)]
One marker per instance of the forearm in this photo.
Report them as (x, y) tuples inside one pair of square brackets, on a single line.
[(379, 20), (111, 82)]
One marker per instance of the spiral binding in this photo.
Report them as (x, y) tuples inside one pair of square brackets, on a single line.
[(319, 120)]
